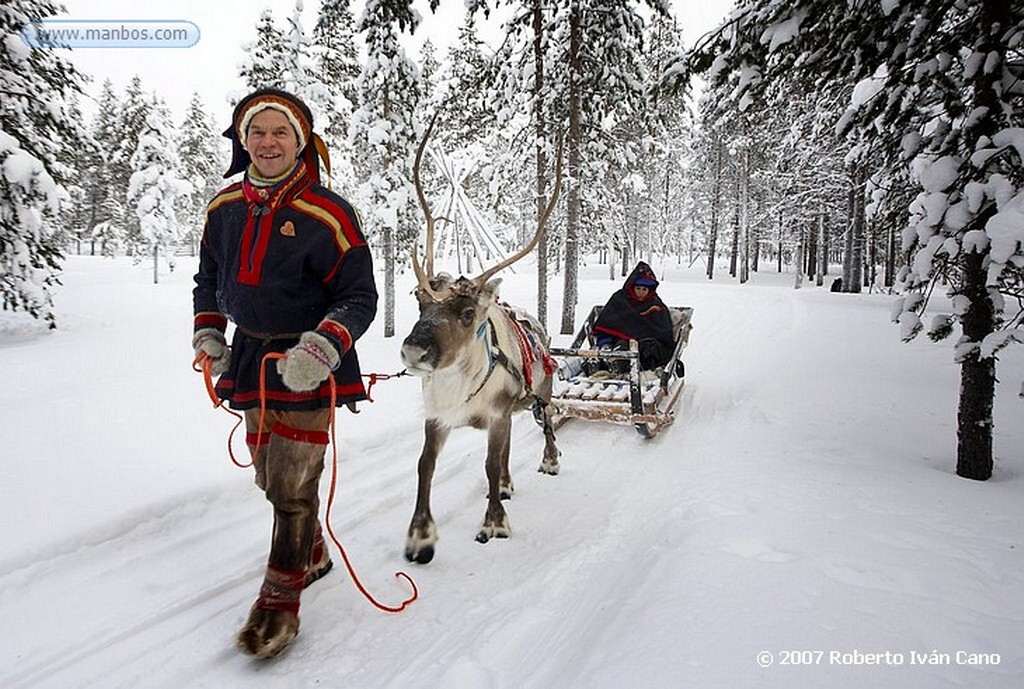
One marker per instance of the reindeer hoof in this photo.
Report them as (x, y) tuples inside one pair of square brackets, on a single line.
[(421, 556), (549, 468), (489, 532)]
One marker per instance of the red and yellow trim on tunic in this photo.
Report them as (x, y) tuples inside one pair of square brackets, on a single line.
[(228, 195), (346, 234)]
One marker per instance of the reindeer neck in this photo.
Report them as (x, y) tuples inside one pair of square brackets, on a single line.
[(451, 390)]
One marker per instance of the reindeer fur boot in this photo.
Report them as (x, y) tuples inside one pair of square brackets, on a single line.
[(274, 618), (319, 559)]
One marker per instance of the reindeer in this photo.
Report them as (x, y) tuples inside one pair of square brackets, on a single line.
[(480, 361)]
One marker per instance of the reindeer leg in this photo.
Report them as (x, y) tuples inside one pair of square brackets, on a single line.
[(506, 488), (549, 464), (495, 520), (419, 543)]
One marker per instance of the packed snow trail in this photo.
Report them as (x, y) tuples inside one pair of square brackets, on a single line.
[(803, 501)]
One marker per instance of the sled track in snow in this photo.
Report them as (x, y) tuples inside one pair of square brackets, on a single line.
[(59, 661)]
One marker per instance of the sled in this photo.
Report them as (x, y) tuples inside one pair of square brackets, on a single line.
[(587, 385)]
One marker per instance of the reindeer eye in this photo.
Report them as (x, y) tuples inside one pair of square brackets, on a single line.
[(467, 316)]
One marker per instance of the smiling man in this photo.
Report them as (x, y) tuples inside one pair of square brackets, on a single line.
[(272, 142), (285, 260)]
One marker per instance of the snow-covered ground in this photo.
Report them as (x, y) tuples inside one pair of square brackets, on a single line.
[(799, 525)]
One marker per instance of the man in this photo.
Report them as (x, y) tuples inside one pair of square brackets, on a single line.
[(286, 261), (637, 312)]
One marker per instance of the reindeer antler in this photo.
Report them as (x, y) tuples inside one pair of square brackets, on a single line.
[(486, 275), (423, 276)]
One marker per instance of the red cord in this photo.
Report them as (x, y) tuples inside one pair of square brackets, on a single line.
[(205, 364)]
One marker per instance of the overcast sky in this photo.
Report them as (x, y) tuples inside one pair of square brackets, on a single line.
[(210, 67)]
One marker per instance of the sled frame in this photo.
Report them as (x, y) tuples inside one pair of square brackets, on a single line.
[(645, 400)]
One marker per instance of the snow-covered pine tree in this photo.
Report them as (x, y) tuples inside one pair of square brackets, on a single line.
[(36, 124), (936, 90), (198, 156), (298, 71), (429, 69), (264, 56), (155, 187), (80, 162), (336, 56), (129, 123), (98, 181), (667, 138), (383, 135)]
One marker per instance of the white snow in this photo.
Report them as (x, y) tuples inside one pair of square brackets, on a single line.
[(1006, 230), (937, 175), (804, 505), (866, 89), (783, 32)]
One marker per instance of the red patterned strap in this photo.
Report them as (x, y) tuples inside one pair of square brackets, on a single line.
[(257, 439), (281, 589), (338, 333), (300, 435)]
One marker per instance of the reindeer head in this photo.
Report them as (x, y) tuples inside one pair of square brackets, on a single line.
[(453, 312)]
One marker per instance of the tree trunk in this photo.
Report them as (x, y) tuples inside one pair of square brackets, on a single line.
[(978, 375), (778, 247), (744, 217), (716, 203), (811, 262), (572, 228), (156, 264), (822, 251), (540, 125), (798, 262), (856, 241), (389, 282), (977, 378), (890, 256), (735, 253)]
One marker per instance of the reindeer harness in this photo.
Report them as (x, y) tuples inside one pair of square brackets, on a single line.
[(529, 348)]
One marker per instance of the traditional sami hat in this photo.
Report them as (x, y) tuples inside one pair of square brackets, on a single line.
[(644, 281), (298, 114)]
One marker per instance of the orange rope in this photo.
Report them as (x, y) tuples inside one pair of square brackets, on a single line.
[(205, 362), (375, 377)]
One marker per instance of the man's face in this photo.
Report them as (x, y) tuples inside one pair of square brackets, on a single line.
[(272, 143)]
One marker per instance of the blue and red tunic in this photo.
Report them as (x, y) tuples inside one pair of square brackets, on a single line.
[(278, 262)]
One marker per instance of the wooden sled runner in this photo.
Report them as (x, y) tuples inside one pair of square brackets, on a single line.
[(589, 385)]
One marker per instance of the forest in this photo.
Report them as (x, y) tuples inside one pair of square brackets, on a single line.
[(872, 144)]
